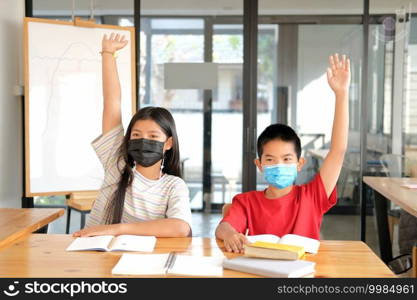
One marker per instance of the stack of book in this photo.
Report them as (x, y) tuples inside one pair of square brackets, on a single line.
[(271, 256)]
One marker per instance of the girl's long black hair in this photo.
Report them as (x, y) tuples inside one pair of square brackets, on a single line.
[(164, 119)]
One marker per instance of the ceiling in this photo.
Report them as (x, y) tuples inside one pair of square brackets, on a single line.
[(219, 7)]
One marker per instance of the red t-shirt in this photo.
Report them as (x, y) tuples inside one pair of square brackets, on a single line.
[(299, 212)]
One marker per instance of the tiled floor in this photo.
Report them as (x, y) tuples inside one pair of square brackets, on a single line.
[(334, 227)]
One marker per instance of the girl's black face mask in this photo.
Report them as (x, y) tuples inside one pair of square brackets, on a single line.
[(145, 152)]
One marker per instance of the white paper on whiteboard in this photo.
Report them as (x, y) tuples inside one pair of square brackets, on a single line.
[(190, 76)]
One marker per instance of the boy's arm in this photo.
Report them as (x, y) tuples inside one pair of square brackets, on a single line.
[(338, 77), (112, 115), (233, 240)]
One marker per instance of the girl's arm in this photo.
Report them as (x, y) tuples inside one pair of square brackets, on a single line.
[(112, 115), (169, 227)]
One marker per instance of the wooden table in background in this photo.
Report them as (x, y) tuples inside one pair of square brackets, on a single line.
[(318, 153), (19, 222), (390, 188), (44, 255)]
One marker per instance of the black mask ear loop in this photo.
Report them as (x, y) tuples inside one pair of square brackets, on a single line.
[(162, 163), (162, 166)]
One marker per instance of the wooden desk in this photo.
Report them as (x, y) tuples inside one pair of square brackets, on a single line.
[(18, 222), (44, 255), (389, 188)]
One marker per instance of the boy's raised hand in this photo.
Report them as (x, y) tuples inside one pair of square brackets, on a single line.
[(113, 43), (338, 74)]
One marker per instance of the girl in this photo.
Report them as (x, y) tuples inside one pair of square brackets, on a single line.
[(142, 193)]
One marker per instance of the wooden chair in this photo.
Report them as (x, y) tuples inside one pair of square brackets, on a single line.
[(415, 260), (395, 166), (393, 220), (225, 209), (81, 202)]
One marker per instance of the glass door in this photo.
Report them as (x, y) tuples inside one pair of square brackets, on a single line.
[(293, 89), (293, 51), (209, 121), (227, 115), (176, 40)]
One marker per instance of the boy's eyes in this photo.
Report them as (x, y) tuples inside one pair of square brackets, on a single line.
[(287, 159)]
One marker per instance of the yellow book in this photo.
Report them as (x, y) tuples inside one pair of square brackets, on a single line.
[(274, 251)]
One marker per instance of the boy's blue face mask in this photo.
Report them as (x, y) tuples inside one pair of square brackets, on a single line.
[(280, 175)]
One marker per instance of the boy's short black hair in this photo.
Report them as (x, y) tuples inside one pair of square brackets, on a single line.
[(280, 132)]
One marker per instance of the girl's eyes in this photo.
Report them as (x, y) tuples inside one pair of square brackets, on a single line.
[(135, 135)]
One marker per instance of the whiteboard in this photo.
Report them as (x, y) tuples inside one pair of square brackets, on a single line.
[(64, 103)]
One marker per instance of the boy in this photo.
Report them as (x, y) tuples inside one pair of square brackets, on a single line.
[(284, 207)]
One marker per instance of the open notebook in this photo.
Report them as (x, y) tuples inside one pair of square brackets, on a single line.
[(170, 263), (113, 243), (310, 245)]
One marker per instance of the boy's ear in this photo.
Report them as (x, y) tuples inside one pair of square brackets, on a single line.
[(168, 144), (301, 163), (257, 162)]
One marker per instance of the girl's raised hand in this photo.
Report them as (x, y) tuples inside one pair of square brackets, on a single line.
[(113, 43), (338, 74)]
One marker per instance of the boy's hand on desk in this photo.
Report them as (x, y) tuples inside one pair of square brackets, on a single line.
[(113, 43), (97, 230), (338, 74), (235, 242)]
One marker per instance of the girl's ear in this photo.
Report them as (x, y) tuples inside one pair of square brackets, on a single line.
[(257, 162), (168, 144)]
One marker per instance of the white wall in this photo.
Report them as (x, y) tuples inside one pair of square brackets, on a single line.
[(11, 75)]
